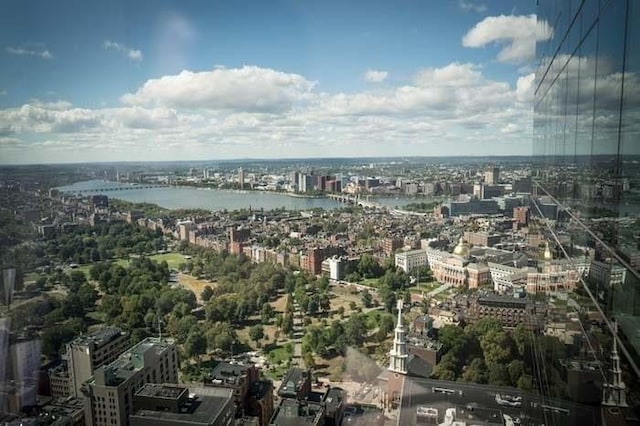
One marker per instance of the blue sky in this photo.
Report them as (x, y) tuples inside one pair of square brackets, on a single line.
[(165, 80)]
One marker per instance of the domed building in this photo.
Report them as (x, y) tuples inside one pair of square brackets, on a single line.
[(462, 249), (457, 268)]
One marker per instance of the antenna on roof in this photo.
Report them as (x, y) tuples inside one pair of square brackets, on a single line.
[(160, 327)]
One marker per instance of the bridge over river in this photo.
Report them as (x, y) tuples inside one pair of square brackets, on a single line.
[(112, 189)]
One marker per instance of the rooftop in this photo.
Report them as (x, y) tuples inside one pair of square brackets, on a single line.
[(99, 338), (203, 406), (292, 381), (162, 391), (499, 298), (292, 412), (131, 361)]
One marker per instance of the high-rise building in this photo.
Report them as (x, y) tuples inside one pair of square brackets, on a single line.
[(87, 353), (586, 109), (109, 394), (241, 178), (492, 176), (19, 368)]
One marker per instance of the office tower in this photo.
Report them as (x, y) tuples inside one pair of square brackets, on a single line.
[(492, 176), (4, 362), (586, 109), (241, 178), (174, 405), (21, 367), (87, 353), (109, 394)]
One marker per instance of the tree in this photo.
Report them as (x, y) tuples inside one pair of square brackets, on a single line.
[(447, 368), (207, 293), (368, 267), (452, 338), (516, 370), (267, 312), (522, 338), (525, 382), (196, 343), (388, 297), (355, 329), (498, 375), (496, 347), (341, 311), (475, 372), (256, 333), (325, 302), (367, 300), (313, 305), (323, 283), (308, 360), (386, 324)]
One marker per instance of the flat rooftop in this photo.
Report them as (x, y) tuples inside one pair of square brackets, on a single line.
[(131, 361), (162, 391), (100, 337), (292, 412), (204, 407)]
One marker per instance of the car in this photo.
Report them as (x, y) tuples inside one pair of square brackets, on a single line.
[(506, 401), (512, 398)]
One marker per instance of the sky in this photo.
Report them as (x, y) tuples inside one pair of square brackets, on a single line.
[(85, 80)]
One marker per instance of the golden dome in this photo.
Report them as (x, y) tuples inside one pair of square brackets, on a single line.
[(547, 253), (461, 249)]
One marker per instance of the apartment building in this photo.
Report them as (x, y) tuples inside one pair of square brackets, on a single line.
[(109, 394), (87, 353)]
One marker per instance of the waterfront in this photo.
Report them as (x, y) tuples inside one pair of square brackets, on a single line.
[(218, 199)]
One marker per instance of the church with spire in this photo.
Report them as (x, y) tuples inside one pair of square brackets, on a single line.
[(398, 354)]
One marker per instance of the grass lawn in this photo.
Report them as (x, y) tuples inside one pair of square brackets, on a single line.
[(278, 358), (172, 259), (280, 304), (82, 268), (194, 284), (370, 282), (32, 276)]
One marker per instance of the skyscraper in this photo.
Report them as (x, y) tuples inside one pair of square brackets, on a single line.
[(241, 178), (492, 176), (586, 133)]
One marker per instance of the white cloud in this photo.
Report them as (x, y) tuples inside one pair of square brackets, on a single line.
[(454, 74), (375, 76), (517, 36), (525, 87), (227, 113), (22, 51), (133, 54), (248, 88), (470, 6)]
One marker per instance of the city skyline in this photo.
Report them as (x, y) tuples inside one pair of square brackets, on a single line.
[(163, 82)]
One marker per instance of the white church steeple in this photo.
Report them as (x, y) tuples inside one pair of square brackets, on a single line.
[(614, 392), (398, 354)]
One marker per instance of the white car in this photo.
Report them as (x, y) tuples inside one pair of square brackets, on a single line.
[(507, 401)]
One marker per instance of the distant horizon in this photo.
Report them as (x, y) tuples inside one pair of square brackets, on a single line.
[(314, 159)]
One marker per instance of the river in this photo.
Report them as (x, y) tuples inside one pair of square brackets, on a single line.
[(217, 199)]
